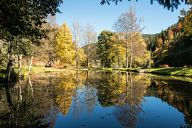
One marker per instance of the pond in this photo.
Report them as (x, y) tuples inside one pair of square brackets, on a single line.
[(96, 100)]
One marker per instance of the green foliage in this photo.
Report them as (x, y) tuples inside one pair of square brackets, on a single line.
[(91, 51), (112, 50), (22, 20), (25, 17), (105, 47)]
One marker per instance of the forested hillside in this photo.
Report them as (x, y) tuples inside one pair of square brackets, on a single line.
[(173, 46)]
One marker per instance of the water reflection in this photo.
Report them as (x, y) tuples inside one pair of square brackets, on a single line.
[(131, 97), (22, 106), (18, 111), (177, 94), (96, 99)]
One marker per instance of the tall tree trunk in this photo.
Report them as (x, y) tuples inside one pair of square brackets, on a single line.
[(131, 51), (30, 65), (8, 71), (77, 56), (31, 86), (9, 98), (150, 60), (19, 65), (127, 84), (77, 59), (20, 91), (87, 62), (118, 58), (127, 54), (87, 75), (131, 90), (87, 52), (9, 64)]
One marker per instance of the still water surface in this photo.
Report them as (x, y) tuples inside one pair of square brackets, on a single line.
[(96, 100)]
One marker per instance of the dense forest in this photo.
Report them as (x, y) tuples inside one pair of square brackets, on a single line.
[(172, 47)]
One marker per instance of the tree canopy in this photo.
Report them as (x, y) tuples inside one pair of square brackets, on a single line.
[(25, 17), (106, 41), (169, 4)]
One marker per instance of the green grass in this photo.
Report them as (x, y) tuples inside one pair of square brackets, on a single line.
[(174, 71), (102, 69), (41, 69), (34, 70), (116, 69)]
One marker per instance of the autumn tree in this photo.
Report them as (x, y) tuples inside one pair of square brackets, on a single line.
[(77, 32), (128, 24), (187, 26), (140, 55), (170, 35), (64, 45), (89, 39)]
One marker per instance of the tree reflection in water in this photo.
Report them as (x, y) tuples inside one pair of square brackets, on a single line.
[(125, 91), (75, 91), (90, 95), (21, 106), (176, 93), (127, 113), (37, 101), (65, 91)]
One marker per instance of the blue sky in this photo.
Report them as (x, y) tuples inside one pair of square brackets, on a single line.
[(102, 17)]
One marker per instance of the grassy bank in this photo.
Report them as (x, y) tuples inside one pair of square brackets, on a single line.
[(116, 69), (171, 71), (41, 69), (35, 70)]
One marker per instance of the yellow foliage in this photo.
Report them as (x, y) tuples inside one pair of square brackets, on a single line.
[(64, 45), (82, 56), (170, 35), (64, 97)]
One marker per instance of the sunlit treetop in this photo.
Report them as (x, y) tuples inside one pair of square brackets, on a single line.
[(169, 4)]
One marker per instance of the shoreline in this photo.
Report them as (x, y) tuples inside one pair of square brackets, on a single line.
[(172, 71)]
